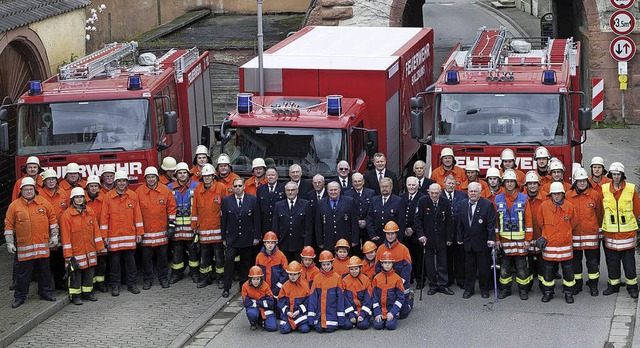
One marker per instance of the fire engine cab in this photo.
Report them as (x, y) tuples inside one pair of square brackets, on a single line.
[(505, 92)]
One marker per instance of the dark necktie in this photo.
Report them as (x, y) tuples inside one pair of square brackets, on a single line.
[(471, 206), (384, 201), (291, 204), (271, 188), (239, 202), (334, 203), (344, 183)]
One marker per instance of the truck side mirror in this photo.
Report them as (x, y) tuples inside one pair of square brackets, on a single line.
[(372, 142), (584, 119), (205, 135), (225, 133), (170, 122), (4, 130), (417, 117)]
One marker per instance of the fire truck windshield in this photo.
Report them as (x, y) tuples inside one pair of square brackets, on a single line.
[(316, 150), (80, 127), (501, 119)]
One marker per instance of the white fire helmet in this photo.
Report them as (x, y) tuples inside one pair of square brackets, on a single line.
[(151, 171), (493, 172), (168, 163), (121, 174), (258, 162), (507, 154), (33, 160), (541, 152), (108, 168), (49, 173), (93, 179), (509, 175), (472, 165), (73, 168), (616, 167), (556, 187), (531, 176), (597, 160), (27, 181), (76, 191), (207, 170), (580, 174), (223, 159), (556, 165), (182, 166)]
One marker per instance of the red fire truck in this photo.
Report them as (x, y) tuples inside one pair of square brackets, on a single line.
[(106, 108), (505, 92), (330, 92)]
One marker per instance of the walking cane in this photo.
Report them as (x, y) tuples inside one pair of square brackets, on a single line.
[(495, 277), (424, 251)]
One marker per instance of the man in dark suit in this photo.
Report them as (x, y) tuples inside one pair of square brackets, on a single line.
[(336, 218), (292, 223), (319, 192), (372, 177), (268, 194), (362, 197), (455, 251), (420, 171), (344, 179), (411, 197), (295, 174), (433, 224), (384, 208), (476, 220), (240, 225)]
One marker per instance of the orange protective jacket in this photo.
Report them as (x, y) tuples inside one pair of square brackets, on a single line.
[(588, 206), (157, 206), (165, 180), (251, 187), (439, 174), (547, 187), (59, 199), (521, 177), (65, 185), (369, 268), (121, 220), (535, 203), (388, 293), (465, 186), (544, 178), (354, 289), (557, 224), (260, 297), (80, 236), (341, 266), (206, 212), (95, 204), (30, 223), (308, 273), (274, 267), (228, 182), (492, 196), (598, 185), (294, 297), (16, 186)]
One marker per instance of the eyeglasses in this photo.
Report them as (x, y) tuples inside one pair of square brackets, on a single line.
[(343, 168), (238, 185)]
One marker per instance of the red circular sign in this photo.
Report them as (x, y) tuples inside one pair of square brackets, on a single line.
[(622, 48), (621, 4), (622, 22)]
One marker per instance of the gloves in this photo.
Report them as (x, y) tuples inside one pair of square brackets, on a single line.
[(11, 247), (53, 241), (171, 228), (541, 243), (138, 239)]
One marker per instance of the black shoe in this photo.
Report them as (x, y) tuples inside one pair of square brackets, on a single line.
[(460, 285), (17, 303), (146, 286), (76, 300), (431, 291), (547, 297), (164, 283), (48, 297), (115, 291), (89, 296), (504, 293), (133, 289), (485, 294), (176, 277), (568, 298), (220, 284), (102, 287), (13, 285), (195, 277), (253, 327), (524, 295), (593, 290), (467, 294), (225, 293), (447, 291), (633, 291), (202, 284), (577, 289), (611, 289)]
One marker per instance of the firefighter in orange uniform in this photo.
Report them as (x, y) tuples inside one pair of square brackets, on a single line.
[(326, 300), (31, 170), (205, 222), (158, 208), (59, 200), (558, 219), (258, 301), (81, 241), (542, 157), (200, 158), (225, 172), (121, 223), (448, 167), (620, 226), (388, 294), (30, 228), (259, 169), (494, 183), (108, 176), (273, 262), (472, 171), (167, 170), (309, 269), (72, 178), (369, 263), (535, 198), (357, 296), (557, 170), (586, 240), (341, 262), (598, 174), (293, 301), (94, 199), (508, 161)]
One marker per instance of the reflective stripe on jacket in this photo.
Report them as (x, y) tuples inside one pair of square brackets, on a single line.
[(80, 236), (30, 223)]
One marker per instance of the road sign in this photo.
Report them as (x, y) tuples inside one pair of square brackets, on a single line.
[(622, 22), (622, 48), (621, 4)]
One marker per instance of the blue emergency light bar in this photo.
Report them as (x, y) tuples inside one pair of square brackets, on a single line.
[(35, 87), (134, 83), (453, 77), (549, 77), (334, 105), (245, 104)]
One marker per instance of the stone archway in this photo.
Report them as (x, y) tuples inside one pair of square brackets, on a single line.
[(393, 13)]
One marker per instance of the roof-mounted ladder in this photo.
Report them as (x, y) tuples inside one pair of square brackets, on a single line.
[(184, 61), (98, 62), (485, 52)]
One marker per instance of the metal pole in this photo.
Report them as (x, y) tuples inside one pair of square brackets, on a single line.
[(260, 49), (622, 101)]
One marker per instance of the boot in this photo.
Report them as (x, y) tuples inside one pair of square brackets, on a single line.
[(147, 285), (504, 293), (524, 295), (547, 296), (164, 283), (89, 296), (76, 300), (13, 285), (176, 277), (102, 287), (578, 287), (204, 281), (568, 297), (593, 288), (611, 289), (633, 290)]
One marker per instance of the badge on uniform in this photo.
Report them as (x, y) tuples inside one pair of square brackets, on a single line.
[(566, 218), (161, 201), (591, 205), (41, 211), (391, 211), (324, 219), (91, 222), (479, 221), (346, 217), (130, 205), (63, 204)]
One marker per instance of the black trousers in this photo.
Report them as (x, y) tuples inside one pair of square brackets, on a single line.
[(209, 252), (568, 281), (81, 281), (100, 273), (162, 262), (415, 250), (477, 267), (245, 263), (435, 262), (24, 271), (455, 263), (628, 259), (295, 254), (178, 264), (56, 262), (114, 267), (521, 271), (592, 257)]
